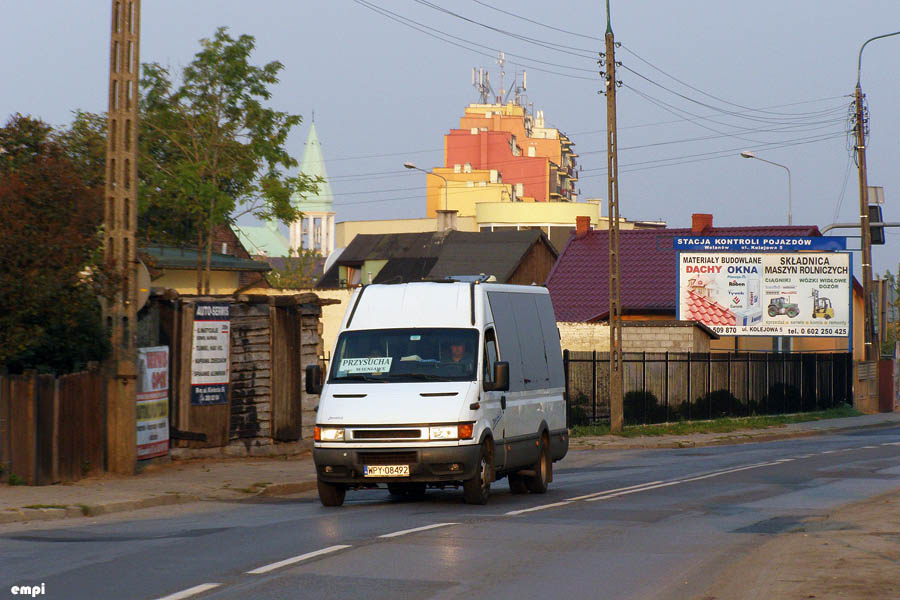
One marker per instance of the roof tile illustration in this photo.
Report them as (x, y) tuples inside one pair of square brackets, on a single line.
[(705, 311)]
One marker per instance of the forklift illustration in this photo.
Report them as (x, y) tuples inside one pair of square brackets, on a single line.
[(822, 308), (780, 306)]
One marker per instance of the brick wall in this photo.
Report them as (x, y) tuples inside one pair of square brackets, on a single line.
[(637, 336)]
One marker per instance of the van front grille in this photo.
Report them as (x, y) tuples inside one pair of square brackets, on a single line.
[(387, 458), (382, 434)]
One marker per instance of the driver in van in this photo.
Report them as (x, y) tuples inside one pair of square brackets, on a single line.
[(459, 356)]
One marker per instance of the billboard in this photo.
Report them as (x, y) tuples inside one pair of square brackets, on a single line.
[(210, 353), (767, 294), (730, 243), (153, 402)]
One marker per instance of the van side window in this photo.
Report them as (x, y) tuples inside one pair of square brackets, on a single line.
[(490, 355)]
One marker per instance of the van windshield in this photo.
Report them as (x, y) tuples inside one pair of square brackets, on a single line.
[(405, 355)]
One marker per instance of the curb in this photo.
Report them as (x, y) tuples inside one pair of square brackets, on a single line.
[(286, 489), (727, 439), (19, 515)]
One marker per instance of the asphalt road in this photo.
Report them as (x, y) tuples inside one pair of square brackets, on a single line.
[(627, 524)]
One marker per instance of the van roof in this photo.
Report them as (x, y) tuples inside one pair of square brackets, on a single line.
[(423, 304)]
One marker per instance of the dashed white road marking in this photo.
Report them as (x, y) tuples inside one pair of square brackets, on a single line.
[(534, 508), (626, 492), (727, 471), (828, 452), (868, 447), (415, 529), (621, 489), (784, 460), (891, 444), (193, 591), (296, 559)]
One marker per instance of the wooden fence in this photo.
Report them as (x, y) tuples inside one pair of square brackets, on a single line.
[(51, 429)]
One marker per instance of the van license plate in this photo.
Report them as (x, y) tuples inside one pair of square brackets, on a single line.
[(386, 470)]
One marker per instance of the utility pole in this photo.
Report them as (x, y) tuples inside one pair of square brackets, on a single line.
[(865, 232), (120, 215), (861, 127), (616, 371)]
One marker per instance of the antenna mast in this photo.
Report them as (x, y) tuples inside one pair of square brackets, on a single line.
[(501, 60)]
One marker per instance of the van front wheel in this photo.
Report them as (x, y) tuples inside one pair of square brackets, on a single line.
[(331, 494), (537, 484), (477, 489)]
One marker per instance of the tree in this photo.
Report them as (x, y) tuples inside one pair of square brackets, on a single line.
[(299, 271), (211, 151), (891, 328), (50, 256)]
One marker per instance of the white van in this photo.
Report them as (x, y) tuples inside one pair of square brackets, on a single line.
[(441, 384)]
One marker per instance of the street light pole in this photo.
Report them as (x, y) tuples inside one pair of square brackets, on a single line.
[(410, 165), (749, 154), (865, 232)]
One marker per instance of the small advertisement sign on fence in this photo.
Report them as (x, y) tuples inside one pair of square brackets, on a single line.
[(766, 294), (210, 353), (153, 402)]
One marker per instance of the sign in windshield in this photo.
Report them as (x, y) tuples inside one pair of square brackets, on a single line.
[(405, 355)]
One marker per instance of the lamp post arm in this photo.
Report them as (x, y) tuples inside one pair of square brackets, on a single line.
[(790, 219), (861, 48)]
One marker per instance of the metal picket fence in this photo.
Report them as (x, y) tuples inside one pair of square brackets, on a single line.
[(671, 386)]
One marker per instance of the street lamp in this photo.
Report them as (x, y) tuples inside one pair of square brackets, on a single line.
[(860, 127), (410, 165), (749, 154)]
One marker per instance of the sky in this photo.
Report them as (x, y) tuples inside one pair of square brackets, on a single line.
[(702, 80)]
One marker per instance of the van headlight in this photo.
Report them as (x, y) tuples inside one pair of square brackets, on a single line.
[(329, 434), (443, 432)]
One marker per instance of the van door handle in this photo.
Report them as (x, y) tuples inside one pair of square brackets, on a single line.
[(502, 402)]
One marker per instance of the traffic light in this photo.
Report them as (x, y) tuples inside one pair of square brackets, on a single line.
[(876, 230)]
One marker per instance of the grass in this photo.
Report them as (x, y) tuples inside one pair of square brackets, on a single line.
[(44, 506), (724, 425)]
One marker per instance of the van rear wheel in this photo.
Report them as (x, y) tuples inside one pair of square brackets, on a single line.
[(331, 494), (543, 470), (477, 489)]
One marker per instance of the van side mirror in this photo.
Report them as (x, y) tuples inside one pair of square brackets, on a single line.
[(313, 379), (501, 378)]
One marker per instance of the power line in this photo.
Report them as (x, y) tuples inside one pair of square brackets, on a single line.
[(630, 167), (748, 108), (421, 27), (591, 53), (566, 31)]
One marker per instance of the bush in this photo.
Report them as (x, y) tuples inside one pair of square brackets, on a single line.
[(642, 408)]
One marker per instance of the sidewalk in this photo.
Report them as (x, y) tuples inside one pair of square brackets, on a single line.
[(181, 482)]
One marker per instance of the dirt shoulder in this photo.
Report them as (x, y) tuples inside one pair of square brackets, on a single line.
[(852, 554)]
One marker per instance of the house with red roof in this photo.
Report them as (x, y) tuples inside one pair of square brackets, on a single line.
[(579, 282)]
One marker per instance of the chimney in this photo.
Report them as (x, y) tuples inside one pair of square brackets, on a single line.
[(700, 222), (582, 226), (446, 220)]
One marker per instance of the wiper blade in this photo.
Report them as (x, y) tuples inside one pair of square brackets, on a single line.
[(422, 376), (359, 377)]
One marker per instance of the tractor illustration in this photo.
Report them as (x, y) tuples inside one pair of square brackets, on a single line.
[(780, 306), (822, 308)]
